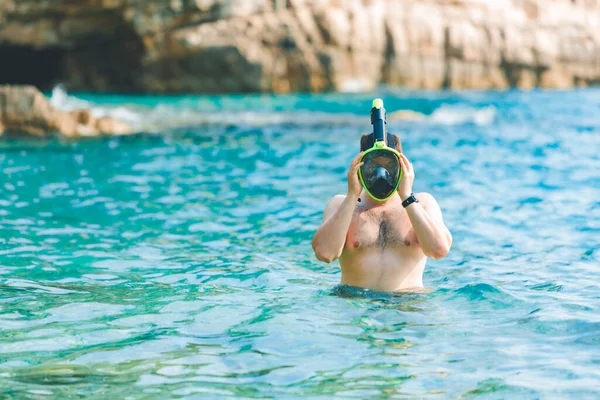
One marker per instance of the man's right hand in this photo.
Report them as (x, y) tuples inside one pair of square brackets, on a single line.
[(354, 185)]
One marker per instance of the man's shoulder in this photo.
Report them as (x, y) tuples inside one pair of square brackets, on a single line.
[(424, 196), (338, 198), (429, 203), (336, 201), (426, 199), (332, 206)]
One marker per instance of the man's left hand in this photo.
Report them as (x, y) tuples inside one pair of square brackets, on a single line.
[(408, 176)]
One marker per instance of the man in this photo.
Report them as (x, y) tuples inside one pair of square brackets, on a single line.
[(382, 245)]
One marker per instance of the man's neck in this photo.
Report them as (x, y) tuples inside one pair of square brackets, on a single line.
[(367, 202)]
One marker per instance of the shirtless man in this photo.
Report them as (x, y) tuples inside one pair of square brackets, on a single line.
[(382, 245)]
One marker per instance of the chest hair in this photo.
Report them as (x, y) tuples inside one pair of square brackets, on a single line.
[(386, 223)]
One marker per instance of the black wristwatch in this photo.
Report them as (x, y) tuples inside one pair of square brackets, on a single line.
[(409, 200)]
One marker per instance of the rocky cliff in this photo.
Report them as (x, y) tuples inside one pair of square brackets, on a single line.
[(215, 46)]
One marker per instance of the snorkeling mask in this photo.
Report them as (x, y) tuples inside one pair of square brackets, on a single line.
[(381, 172)]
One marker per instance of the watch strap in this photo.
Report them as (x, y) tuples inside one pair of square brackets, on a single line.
[(409, 200)]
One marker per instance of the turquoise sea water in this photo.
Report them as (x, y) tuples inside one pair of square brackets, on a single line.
[(177, 262)]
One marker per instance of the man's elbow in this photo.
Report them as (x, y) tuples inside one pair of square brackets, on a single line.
[(442, 249), (439, 252), (323, 255)]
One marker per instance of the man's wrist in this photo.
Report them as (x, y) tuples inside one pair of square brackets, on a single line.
[(353, 196), (410, 200), (404, 196)]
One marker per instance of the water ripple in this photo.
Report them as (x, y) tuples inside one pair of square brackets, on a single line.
[(179, 263)]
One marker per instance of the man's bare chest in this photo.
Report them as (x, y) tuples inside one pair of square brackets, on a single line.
[(387, 228)]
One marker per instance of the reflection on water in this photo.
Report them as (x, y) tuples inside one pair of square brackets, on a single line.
[(179, 263)]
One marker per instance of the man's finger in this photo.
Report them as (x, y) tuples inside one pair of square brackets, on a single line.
[(407, 165), (357, 158), (405, 159), (403, 163)]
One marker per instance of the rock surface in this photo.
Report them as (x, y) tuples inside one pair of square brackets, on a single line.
[(24, 109), (216, 46)]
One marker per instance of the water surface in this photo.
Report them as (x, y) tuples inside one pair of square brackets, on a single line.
[(177, 262)]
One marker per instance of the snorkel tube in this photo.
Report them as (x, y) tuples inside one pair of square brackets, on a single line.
[(378, 120), (380, 181)]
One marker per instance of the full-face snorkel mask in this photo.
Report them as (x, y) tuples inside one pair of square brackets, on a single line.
[(381, 172)]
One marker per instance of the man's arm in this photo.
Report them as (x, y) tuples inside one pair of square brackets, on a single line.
[(328, 243), (426, 218)]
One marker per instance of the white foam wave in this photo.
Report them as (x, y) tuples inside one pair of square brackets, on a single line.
[(61, 100), (457, 115), (164, 116), (122, 113)]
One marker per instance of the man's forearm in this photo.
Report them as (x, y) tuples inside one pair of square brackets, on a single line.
[(328, 242), (434, 238)]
